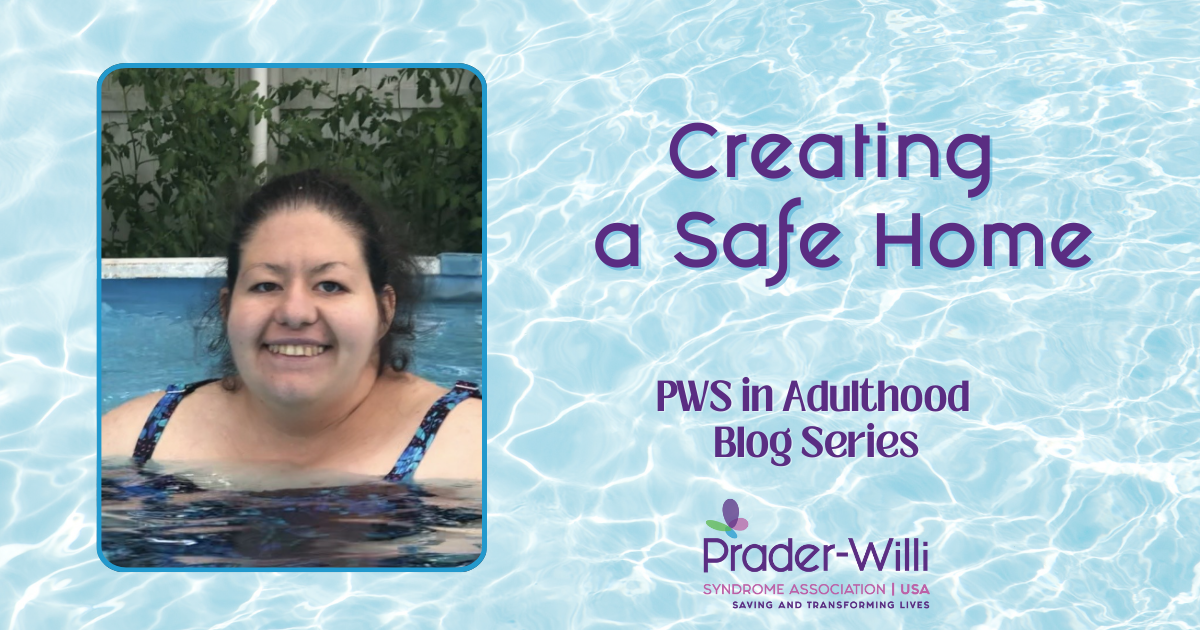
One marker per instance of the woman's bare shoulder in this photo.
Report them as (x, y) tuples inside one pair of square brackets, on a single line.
[(119, 428), (406, 391), (457, 449)]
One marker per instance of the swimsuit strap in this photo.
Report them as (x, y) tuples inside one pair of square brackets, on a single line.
[(409, 460), (411, 457), (153, 429)]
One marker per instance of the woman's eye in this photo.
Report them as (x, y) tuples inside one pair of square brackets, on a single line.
[(329, 287), (263, 287)]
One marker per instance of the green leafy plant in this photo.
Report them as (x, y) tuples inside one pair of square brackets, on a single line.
[(425, 163), (193, 137), (177, 163)]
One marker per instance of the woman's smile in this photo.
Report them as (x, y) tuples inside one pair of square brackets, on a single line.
[(296, 347), (296, 350)]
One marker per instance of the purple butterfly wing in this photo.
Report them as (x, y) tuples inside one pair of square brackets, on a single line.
[(730, 512)]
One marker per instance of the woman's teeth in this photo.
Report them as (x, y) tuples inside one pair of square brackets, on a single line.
[(296, 351)]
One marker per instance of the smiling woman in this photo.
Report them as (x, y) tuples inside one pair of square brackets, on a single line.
[(314, 312)]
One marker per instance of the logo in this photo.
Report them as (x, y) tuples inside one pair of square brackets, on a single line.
[(732, 524)]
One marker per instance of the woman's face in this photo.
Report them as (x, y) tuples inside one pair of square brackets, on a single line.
[(303, 321)]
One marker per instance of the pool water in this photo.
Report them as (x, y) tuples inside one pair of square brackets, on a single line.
[(153, 519), (161, 517)]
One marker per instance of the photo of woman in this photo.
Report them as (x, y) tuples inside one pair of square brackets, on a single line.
[(328, 412)]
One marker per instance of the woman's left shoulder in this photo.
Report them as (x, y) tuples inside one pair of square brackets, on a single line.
[(457, 450)]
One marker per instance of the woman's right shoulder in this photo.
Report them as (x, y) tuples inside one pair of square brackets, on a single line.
[(120, 427)]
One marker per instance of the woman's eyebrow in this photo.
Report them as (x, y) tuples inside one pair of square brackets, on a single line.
[(278, 269), (325, 266), (282, 269)]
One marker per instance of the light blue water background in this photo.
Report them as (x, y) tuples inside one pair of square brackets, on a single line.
[(1066, 497)]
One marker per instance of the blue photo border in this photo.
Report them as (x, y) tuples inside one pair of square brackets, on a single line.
[(99, 329)]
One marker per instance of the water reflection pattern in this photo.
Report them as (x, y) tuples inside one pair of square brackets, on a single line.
[(169, 520)]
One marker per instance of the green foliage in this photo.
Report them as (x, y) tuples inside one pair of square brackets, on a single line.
[(194, 129), (424, 164)]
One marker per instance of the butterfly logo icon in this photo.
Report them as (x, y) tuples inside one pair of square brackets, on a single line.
[(732, 524)]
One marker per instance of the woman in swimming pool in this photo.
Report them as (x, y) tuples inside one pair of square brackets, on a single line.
[(311, 308)]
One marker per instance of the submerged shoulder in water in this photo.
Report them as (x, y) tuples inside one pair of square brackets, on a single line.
[(264, 477)]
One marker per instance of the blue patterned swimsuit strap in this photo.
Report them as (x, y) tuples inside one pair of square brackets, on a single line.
[(411, 457), (153, 429)]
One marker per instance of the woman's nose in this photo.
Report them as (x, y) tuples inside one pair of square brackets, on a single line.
[(297, 309)]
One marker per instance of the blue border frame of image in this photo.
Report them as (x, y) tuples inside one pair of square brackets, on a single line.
[(99, 330)]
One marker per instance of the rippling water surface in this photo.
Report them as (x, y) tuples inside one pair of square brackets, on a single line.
[(156, 520), (1065, 498)]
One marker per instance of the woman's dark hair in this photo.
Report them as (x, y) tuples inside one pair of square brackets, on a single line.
[(387, 263)]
